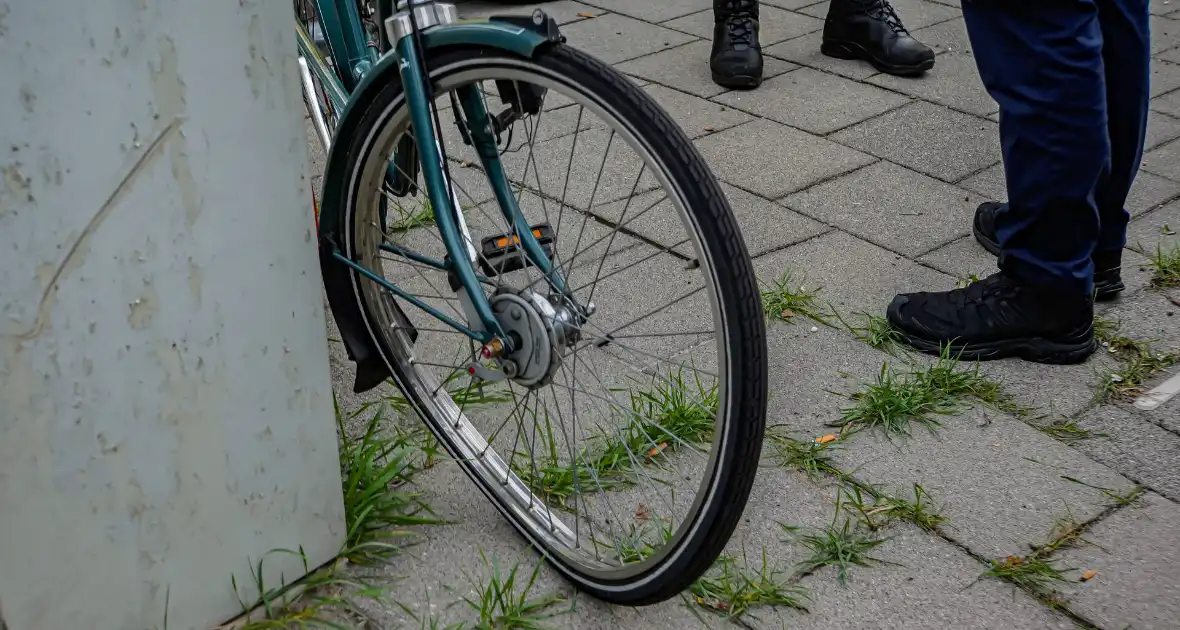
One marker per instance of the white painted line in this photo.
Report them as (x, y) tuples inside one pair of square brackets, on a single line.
[(1160, 395)]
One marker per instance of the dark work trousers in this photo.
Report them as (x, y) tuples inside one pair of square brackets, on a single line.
[(1071, 78)]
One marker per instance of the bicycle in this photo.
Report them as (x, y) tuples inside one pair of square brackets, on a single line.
[(519, 307)]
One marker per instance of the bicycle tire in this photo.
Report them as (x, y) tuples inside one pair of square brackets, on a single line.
[(740, 447)]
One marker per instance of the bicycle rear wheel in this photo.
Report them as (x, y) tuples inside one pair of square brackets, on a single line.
[(628, 464)]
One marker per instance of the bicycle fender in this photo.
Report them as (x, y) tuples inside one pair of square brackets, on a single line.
[(521, 35)]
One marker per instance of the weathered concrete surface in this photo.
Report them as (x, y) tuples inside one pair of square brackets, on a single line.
[(165, 401)]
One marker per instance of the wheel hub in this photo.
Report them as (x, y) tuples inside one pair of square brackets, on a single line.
[(539, 331)]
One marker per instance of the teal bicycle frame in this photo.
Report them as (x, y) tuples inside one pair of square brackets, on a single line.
[(360, 68)]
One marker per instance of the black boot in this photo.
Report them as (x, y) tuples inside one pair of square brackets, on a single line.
[(736, 61), (998, 317), (1108, 277), (871, 30)]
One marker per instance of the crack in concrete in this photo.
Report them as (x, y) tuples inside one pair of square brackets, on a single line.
[(77, 249)]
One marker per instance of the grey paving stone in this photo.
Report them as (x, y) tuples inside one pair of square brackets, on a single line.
[(1165, 77), (891, 206), (1062, 390), (1159, 229), (811, 374), (686, 68), (654, 11), (1128, 441), (853, 275), (955, 83), (930, 585), (804, 50), (1165, 33), (1164, 160), (1149, 316), (792, 5), (962, 258), (603, 168), (765, 225), (928, 138), (1161, 128), (773, 160), (814, 101), (784, 496), (1172, 55), (1136, 552), (1167, 104), (1164, 7), (914, 13), (1147, 192), (696, 116), (1000, 481), (774, 25), (945, 37), (614, 38), (564, 11)]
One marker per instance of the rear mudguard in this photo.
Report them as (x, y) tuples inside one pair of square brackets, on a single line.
[(521, 35)]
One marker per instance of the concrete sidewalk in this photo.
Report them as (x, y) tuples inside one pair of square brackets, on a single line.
[(865, 184)]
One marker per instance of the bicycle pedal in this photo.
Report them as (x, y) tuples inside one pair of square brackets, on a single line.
[(502, 253)]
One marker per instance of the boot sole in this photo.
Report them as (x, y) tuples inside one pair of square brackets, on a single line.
[(1034, 349), (739, 82), (1104, 291), (850, 50)]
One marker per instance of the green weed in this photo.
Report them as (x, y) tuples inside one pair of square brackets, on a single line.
[(787, 301), (842, 547), (732, 591), (664, 417), (504, 601)]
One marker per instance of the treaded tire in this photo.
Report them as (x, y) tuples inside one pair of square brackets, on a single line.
[(737, 295)]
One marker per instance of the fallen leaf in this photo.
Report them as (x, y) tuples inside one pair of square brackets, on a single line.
[(787, 313), (1013, 561), (825, 439), (642, 513), (1088, 575), (710, 129), (586, 15)]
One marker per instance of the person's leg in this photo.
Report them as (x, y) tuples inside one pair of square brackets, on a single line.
[(1042, 62), (871, 30), (736, 60), (1126, 54)]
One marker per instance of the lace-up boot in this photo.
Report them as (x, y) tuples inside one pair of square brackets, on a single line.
[(736, 61), (998, 317), (871, 30)]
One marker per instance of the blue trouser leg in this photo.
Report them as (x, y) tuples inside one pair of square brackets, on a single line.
[(1043, 62), (1126, 55)]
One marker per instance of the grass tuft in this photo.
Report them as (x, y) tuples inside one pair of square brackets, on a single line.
[(1066, 430), (810, 457), (664, 417), (503, 601), (1034, 573), (732, 591), (401, 219), (896, 400), (1165, 268), (875, 508), (787, 301), (876, 331), (1139, 362), (842, 547)]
